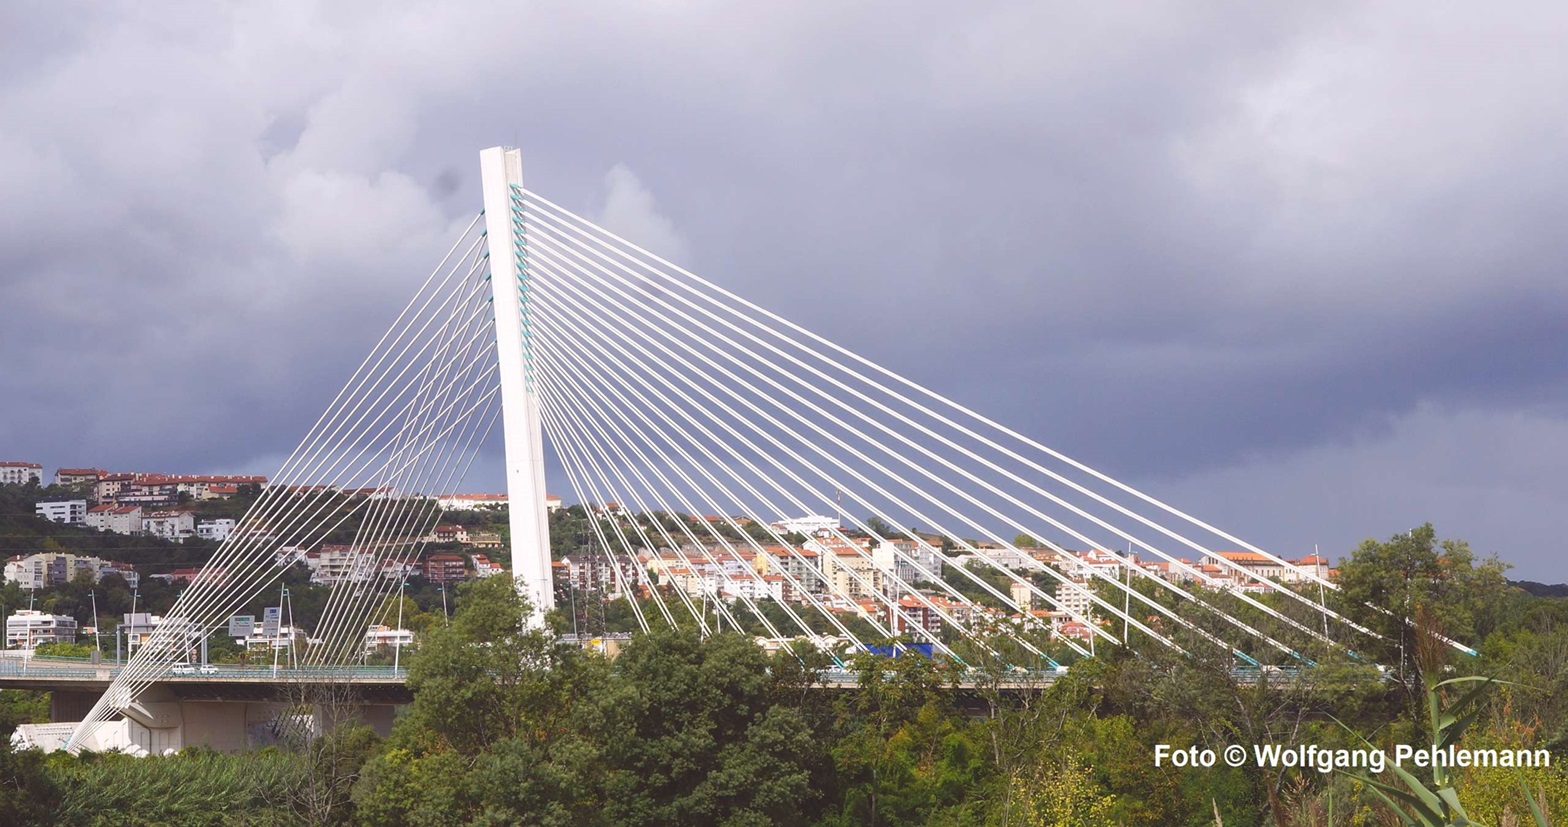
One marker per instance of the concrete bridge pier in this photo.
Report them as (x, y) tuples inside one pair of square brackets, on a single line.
[(162, 721)]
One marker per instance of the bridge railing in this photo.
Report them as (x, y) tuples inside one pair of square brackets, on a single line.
[(83, 669)]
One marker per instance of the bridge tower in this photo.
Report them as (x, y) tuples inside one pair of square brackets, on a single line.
[(501, 174)]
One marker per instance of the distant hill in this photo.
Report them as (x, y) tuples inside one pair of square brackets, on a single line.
[(1541, 589)]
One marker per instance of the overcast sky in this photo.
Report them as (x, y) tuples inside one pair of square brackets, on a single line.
[(1299, 270)]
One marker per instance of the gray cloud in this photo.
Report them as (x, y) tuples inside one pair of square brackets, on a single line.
[(1205, 248)]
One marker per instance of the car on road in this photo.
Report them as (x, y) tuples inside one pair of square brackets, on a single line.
[(194, 669)]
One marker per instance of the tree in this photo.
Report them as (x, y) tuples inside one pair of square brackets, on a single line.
[(692, 737), (1384, 585), (27, 794), (486, 676)]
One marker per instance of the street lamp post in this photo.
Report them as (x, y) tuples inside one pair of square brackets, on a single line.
[(397, 638), (283, 592), (135, 593), (97, 634)]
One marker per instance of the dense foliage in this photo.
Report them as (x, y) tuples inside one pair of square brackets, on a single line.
[(509, 728)]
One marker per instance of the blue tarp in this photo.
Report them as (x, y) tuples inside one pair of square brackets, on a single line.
[(893, 651)]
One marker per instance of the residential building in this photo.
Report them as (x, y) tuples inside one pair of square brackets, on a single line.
[(138, 627), (38, 571), (590, 571), (216, 530), (86, 477), (448, 534), (484, 568), (811, 525), (1306, 569), (446, 568), (1257, 565), (70, 512), (796, 565), (339, 563), (213, 486), (470, 502), (378, 637), (1006, 557), (106, 490), (120, 519), (1021, 595), (170, 525), (31, 572), (149, 491), (21, 473), (913, 616), (752, 586), (1074, 597), (850, 570), (286, 638), (908, 561), (189, 576), (125, 570), (162, 490), (400, 570), (26, 629), (488, 541)]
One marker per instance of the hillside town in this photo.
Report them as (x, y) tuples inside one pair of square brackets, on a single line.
[(908, 582)]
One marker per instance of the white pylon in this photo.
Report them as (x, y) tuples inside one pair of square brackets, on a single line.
[(501, 174)]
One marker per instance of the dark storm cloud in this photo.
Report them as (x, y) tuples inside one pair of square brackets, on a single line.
[(1218, 250)]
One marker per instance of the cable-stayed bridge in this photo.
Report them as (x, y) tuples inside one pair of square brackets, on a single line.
[(689, 421)]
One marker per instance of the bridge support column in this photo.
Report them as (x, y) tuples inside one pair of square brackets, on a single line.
[(501, 172), (72, 705)]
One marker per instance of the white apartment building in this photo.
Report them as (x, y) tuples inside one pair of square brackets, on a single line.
[(1305, 569), (905, 559), (26, 629), (170, 525), (120, 519), (336, 564), (70, 512), (1074, 597), (484, 567), (216, 530), (37, 571), (27, 572), (850, 571), (379, 636), (755, 587), (801, 565), (1008, 558), (21, 473), (1021, 595), (810, 525), (469, 502)]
